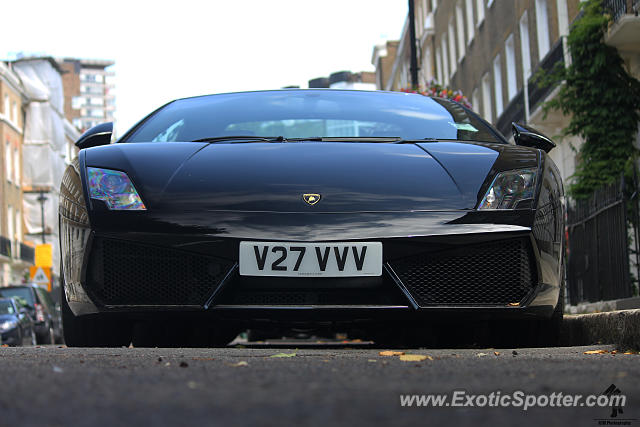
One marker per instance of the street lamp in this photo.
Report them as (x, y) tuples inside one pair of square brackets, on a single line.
[(42, 199)]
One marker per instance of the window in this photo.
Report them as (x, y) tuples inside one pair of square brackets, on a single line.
[(14, 112), (479, 12), (452, 48), (10, 230), (96, 101), (18, 225), (474, 100), (77, 102), (542, 28), (439, 66), (16, 166), (6, 106), (497, 85), (8, 161), (434, 5), (427, 71), (470, 29), (486, 98), (512, 85), (460, 29), (525, 46), (445, 61)]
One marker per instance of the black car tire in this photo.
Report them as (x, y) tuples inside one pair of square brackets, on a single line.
[(92, 331), (550, 330)]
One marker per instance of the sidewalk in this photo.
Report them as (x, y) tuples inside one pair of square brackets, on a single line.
[(601, 306), (621, 327)]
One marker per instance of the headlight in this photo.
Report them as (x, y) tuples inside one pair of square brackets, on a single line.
[(7, 325), (509, 188), (115, 189)]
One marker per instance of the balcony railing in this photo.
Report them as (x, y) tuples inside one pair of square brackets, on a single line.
[(513, 113), (618, 8), (515, 110), (27, 253), (5, 247)]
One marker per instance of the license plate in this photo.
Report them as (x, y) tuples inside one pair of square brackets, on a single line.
[(293, 259)]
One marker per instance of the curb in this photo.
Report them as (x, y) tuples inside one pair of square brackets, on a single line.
[(621, 328)]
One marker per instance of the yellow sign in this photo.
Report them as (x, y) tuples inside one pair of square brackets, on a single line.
[(41, 276), (44, 256)]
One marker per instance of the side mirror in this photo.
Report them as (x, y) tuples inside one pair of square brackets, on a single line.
[(529, 137), (97, 135)]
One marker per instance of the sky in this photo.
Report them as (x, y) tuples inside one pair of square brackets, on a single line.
[(171, 49)]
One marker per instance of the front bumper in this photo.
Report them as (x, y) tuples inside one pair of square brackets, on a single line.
[(477, 275)]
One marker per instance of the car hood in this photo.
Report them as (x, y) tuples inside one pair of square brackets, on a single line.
[(273, 177)]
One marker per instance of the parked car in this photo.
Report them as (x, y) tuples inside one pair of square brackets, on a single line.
[(310, 207), (16, 325), (47, 317)]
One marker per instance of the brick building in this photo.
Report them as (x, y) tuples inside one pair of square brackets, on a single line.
[(491, 49), (89, 91), (15, 255)]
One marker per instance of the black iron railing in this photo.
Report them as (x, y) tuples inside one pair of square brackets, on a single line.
[(27, 253), (598, 247), (5, 246), (618, 8), (513, 113)]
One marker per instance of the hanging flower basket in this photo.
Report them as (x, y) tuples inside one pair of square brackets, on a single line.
[(434, 89)]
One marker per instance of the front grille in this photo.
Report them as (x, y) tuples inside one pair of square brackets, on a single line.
[(129, 273), (288, 291), (319, 297), (496, 273)]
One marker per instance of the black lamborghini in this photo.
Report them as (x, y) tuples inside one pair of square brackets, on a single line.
[(347, 210)]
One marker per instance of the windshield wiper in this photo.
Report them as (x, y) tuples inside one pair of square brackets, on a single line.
[(242, 138), (415, 141)]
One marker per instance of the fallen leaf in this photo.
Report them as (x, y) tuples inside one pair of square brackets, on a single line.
[(629, 352), (497, 353), (283, 355), (192, 385), (203, 358), (414, 357), (391, 353), (372, 360), (167, 364), (184, 364), (614, 352), (481, 354), (241, 363), (57, 370), (596, 352)]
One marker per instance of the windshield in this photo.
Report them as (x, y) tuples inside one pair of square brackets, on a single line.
[(312, 113), (23, 293), (6, 307)]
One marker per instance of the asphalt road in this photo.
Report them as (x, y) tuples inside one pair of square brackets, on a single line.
[(322, 385)]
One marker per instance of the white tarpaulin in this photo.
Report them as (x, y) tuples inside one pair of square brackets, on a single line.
[(44, 151)]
